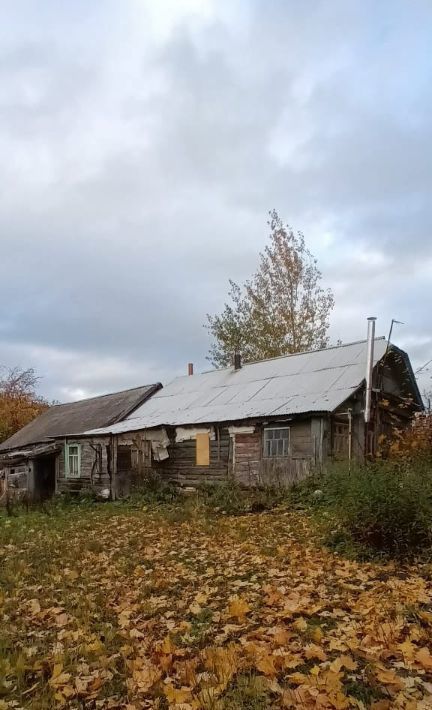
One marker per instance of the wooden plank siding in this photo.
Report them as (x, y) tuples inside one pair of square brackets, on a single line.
[(252, 468), (237, 455), (180, 468), (96, 463), (247, 458)]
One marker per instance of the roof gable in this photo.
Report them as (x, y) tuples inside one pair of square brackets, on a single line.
[(77, 417)]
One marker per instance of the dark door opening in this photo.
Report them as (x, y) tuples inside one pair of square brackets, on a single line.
[(44, 477)]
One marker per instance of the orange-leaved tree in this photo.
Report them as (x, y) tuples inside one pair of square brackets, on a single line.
[(415, 440), (19, 402)]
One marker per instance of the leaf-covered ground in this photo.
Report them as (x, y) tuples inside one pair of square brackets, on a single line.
[(115, 607)]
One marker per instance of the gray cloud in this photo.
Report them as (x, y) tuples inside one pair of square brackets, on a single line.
[(142, 148)]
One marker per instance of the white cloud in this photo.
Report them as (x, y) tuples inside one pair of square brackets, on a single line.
[(143, 143)]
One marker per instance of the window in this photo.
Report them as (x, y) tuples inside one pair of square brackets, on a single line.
[(124, 458), (276, 442), (73, 460)]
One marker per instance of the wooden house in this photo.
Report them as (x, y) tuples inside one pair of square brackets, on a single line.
[(33, 462), (268, 422), (264, 423)]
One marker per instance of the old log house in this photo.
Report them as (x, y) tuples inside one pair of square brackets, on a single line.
[(271, 422), (266, 423), (40, 460)]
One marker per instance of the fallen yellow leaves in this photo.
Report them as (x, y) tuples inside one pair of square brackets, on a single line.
[(314, 651), (424, 658), (59, 678), (388, 677), (194, 616), (34, 607), (321, 688), (177, 696), (238, 608), (144, 675)]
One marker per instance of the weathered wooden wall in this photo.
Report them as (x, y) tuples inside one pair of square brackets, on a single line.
[(232, 454), (339, 421), (17, 477), (181, 468), (251, 468), (392, 408), (247, 455), (96, 467), (126, 480)]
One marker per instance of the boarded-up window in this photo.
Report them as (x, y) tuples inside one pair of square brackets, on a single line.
[(203, 449)]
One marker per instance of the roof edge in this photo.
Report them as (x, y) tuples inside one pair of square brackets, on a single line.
[(410, 370), (150, 391), (105, 431), (101, 396)]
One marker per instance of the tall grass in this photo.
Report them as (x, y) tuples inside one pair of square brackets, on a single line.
[(386, 506)]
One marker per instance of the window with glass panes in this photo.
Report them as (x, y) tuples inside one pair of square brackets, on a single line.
[(276, 442), (73, 460)]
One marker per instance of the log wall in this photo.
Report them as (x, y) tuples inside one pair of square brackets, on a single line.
[(180, 468)]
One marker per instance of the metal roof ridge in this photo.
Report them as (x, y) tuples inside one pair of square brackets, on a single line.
[(280, 357)]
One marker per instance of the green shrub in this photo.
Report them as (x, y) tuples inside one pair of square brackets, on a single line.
[(233, 499), (225, 497), (154, 490), (385, 506)]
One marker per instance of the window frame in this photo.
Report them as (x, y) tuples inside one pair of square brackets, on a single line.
[(68, 473), (124, 449), (265, 440)]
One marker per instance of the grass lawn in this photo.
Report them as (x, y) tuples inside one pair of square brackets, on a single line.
[(123, 606)]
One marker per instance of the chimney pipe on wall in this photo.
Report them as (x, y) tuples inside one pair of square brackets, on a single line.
[(190, 368), (369, 367), (237, 361)]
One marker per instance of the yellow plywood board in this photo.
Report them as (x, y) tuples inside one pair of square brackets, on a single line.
[(203, 449)]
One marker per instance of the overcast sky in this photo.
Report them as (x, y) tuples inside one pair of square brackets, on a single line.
[(143, 143)]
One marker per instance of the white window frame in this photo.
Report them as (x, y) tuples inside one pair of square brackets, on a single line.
[(77, 456), (266, 455)]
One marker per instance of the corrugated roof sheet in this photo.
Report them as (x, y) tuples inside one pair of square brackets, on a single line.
[(316, 381), (77, 417)]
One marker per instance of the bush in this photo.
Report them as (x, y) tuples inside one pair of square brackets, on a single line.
[(233, 499), (225, 497), (386, 506), (153, 491)]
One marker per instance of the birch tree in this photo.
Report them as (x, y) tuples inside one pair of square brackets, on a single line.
[(282, 309)]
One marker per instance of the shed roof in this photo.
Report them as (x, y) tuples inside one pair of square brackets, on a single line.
[(315, 381), (77, 417)]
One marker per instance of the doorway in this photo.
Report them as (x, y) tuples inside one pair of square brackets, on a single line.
[(44, 476)]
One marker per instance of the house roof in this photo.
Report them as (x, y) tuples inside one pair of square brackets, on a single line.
[(77, 417), (315, 381)]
